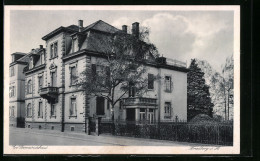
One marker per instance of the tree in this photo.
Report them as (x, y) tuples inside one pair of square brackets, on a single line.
[(121, 68), (227, 87), (199, 101)]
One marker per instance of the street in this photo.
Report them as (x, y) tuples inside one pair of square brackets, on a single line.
[(22, 136)]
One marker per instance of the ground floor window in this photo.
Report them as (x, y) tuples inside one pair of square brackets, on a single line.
[(40, 110), (29, 110), (53, 110), (142, 114), (11, 111), (167, 110), (73, 107)]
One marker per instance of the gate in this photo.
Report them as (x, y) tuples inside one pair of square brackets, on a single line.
[(92, 125)]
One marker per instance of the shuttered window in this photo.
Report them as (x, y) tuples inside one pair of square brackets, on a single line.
[(150, 81)]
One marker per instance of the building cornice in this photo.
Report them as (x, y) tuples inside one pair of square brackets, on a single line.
[(35, 69), (17, 62)]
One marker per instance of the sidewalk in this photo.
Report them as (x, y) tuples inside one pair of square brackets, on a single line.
[(105, 139)]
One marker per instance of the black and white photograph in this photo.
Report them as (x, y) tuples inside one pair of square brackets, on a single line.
[(122, 80)]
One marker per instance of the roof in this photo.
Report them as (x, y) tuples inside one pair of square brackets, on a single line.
[(71, 28), (18, 53), (98, 25), (102, 26)]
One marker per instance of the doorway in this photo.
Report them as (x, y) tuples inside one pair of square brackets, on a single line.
[(130, 114)]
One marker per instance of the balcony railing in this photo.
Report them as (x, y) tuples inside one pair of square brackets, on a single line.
[(49, 93), (175, 62), (132, 101), (47, 90)]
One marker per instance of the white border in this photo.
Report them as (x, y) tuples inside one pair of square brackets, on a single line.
[(235, 149)]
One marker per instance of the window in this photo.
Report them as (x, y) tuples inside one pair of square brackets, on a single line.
[(100, 108), (42, 58), (29, 87), (54, 50), (73, 75), (29, 110), (11, 111), (40, 111), (142, 114), (53, 79), (108, 105), (12, 71), (40, 82), (53, 110), (168, 84), (150, 81), (73, 107), (132, 89), (12, 91), (167, 110), (74, 45)]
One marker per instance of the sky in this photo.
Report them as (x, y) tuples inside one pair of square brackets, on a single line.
[(181, 35)]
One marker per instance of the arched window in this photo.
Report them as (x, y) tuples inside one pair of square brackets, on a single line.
[(29, 87), (29, 110)]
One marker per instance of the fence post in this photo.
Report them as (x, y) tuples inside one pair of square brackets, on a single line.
[(97, 125)]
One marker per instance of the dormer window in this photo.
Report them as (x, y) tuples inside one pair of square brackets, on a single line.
[(74, 44), (31, 63), (42, 58)]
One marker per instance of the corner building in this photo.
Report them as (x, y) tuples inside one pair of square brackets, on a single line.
[(52, 100)]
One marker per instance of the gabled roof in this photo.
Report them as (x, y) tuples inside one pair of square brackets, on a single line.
[(102, 26), (71, 28)]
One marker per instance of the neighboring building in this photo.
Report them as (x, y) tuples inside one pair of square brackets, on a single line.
[(16, 89), (54, 102)]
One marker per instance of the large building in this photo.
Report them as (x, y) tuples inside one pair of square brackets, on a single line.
[(52, 100), (16, 89)]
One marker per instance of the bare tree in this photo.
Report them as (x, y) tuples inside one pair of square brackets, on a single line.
[(121, 68)]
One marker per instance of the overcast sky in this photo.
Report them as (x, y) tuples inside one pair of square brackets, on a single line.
[(181, 35)]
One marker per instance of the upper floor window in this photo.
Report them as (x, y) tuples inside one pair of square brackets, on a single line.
[(73, 75), (54, 50), (132, 90), (167, 110), (150, 81), (12, 71), (29, 87), (73, 106), (29, 110), (12, 91), (40, 82), (168, 84), (53, 79)]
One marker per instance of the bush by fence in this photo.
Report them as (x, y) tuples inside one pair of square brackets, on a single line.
[(213, 133)]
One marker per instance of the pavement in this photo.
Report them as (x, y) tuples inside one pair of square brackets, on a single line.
[(25, 136)]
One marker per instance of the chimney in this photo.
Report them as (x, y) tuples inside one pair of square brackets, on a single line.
[(135, 29), (32, 50), (41, 46), (124, 28), (80, 25)]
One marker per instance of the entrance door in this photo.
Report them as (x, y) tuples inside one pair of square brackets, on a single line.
[(100, 106), (130, 114)]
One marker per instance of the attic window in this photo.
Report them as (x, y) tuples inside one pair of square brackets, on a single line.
[(74, 44)]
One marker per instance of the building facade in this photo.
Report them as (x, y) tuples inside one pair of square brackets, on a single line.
[(52, 100), (16, 89)]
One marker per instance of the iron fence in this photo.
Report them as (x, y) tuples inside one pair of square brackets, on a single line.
[(210, 133)]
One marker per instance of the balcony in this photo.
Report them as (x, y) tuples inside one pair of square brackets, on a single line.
[(49, 93), (139, 101)]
